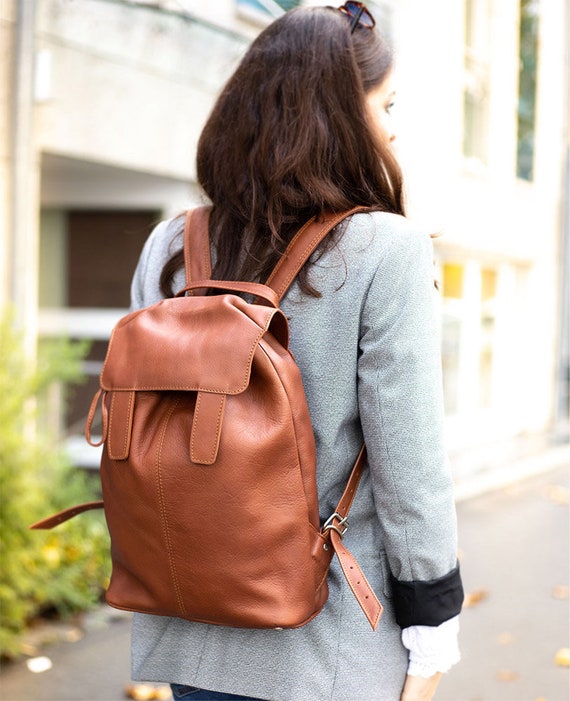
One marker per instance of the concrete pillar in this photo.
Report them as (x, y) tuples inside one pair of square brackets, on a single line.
[(21, 266)]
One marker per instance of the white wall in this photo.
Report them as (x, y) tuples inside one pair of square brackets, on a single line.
[(130, 87)]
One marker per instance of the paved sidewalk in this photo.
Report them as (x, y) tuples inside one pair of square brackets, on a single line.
[(515, 552), (515, 560)]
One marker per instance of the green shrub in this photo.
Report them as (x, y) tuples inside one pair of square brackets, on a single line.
[(64, 569)]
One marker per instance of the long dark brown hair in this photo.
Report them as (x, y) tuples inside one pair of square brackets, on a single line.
[(289, 137)]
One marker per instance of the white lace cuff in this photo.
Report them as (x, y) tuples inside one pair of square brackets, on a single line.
[(432, 648)]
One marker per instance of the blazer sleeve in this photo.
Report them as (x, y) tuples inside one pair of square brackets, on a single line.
[(401, 409)]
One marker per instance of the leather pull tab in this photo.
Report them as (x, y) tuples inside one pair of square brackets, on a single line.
[(120, 424), (207, 427), (357, 582)]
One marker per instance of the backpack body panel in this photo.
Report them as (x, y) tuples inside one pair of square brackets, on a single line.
[(253, 511)]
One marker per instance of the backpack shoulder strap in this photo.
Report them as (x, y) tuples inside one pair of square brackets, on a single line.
[(197, 260), (302, 246)]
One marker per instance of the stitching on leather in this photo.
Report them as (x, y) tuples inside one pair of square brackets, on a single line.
[(206, 258), (111, 441), (221, 406), (172, 566), (128, 424), (252, 351), (154, 388), (282, 260), (293, 273), (194, 423), (327, 225), (186, 237), (294, 426)]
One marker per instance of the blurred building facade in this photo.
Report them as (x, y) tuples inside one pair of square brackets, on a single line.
[(102, 104)]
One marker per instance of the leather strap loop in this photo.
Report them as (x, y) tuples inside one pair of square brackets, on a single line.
[(252, 288), (91, 415)]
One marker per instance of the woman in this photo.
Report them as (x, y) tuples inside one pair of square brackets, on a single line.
[(301, 127)]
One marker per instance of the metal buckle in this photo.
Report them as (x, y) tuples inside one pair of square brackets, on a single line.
[(330, 526)]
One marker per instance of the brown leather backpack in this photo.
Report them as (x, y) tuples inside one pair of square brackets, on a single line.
[(208, 466)]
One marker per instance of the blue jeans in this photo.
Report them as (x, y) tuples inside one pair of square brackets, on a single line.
[(191, 693)]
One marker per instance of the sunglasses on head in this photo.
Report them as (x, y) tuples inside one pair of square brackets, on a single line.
[(358, 14)]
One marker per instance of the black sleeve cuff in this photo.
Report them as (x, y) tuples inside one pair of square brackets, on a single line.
[(419, 603)]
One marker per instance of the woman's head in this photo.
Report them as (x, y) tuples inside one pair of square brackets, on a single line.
[(293, 134), (293, 120)]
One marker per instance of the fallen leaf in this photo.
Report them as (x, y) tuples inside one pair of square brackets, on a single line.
[(29, 649), (507, 675), (561, 591), (562, 657), (558, 494), (73, 635), (541, 698), (475, 597), (148, 692), (163, 693), (505, 638), (37, 665), (139, 692)]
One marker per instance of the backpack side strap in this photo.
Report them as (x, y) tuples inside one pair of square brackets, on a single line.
[(334, 528)]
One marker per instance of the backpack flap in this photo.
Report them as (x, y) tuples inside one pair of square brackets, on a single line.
[(169, 347)]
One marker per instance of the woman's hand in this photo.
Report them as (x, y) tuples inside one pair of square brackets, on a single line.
[(420, 688)]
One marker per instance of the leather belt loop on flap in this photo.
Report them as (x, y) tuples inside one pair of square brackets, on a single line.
[(120, 424), (207, 427)]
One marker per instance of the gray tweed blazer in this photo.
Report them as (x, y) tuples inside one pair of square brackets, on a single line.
[(368, 350)]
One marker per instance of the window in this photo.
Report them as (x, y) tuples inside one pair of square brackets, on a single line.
[(264, 10), (487, 336), (469, 335), (87, 262), (528, 60), (476, 80), (452, 275)]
